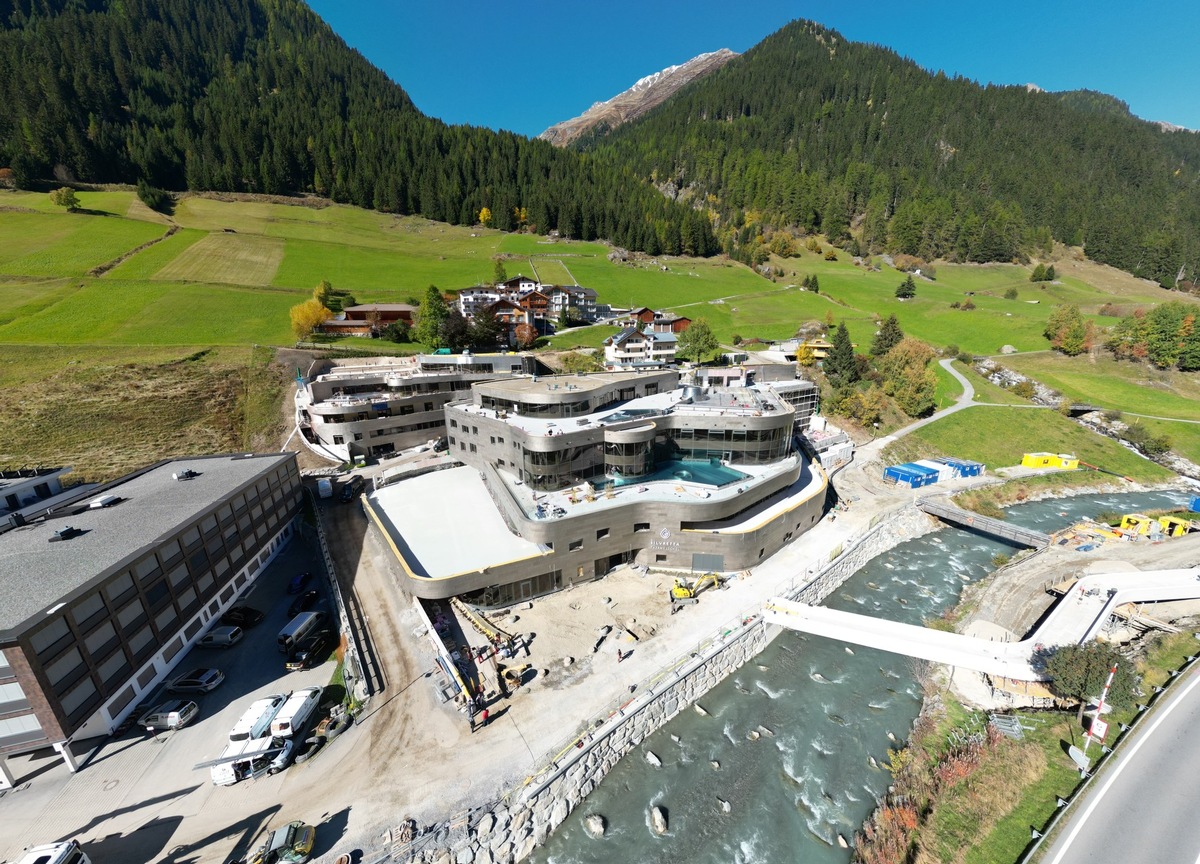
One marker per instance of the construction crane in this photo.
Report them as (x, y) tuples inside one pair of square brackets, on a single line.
[(487, 629)]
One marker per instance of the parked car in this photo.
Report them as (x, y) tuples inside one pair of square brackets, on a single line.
[(291, 844), (242, 616), (282, 760), (221, 637), (303, 603), (170, 715), (299, 582), (350, 488), (310, 651), (196, 681)]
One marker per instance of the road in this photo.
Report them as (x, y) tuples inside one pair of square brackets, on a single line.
[(1139, 808)]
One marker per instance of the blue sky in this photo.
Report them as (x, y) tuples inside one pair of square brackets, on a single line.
[(526, 65)]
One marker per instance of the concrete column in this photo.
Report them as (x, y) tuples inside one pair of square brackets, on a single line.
[(6, 777), (64, 750)]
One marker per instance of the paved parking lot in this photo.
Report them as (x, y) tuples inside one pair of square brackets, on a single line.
[(139, 799)]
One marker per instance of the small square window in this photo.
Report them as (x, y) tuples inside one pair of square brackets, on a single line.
[(453, 424), (602, 533), (641, 526), (472, 448), (575, 544), (659, 559), (761, 552)]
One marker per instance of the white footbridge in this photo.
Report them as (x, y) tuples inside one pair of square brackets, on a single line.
[(1077, 618)]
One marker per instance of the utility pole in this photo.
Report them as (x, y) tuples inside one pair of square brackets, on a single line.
[(1100, 708)]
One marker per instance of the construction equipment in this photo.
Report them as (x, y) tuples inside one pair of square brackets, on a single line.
[(513, 676), (683, 593)]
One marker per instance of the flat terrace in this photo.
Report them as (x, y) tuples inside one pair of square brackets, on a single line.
[(740, 402), (445, 523), (36, 573)]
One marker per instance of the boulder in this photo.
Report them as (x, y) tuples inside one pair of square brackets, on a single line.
[(653, 759), (594, 825), (1007, 349), (658, 820)]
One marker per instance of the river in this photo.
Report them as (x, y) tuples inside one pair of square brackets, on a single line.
[(825, 710)]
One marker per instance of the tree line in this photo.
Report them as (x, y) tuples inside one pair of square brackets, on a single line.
[(262, 96), (807, 130)]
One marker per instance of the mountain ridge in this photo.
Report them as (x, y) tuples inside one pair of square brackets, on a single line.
[(810, 131), (646, 93)]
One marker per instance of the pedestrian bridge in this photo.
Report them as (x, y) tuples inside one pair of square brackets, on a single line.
[(947, 512), (1076, 618)]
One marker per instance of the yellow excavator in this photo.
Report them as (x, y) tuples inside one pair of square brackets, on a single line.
[(683, 593)]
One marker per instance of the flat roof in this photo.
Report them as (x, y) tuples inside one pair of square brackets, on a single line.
[(445, 523), (582, 384), (36, 574)]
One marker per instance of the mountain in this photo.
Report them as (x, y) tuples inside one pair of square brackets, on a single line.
[(645, 94), (808, 130), (262, 96)]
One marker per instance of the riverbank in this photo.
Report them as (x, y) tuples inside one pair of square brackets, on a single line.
[(959, 784), (523, 817)]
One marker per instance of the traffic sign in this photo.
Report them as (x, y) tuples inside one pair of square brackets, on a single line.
[(1099, 728)]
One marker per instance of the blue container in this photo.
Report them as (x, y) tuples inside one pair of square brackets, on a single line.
[(1195, 505)]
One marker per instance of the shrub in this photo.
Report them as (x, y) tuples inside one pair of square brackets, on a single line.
[(955, 305), (1011, 294), (1024, 389), (966, 357), (1110, 310), (153, 197), (831, 254), (1112, 415), (1000, 559), (951, 350), (968, 305)]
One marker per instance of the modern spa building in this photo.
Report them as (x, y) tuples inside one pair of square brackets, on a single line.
[(567, 477), (101, 595), (372, 408)]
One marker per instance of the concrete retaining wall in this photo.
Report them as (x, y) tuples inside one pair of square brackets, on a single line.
[(511, 829)]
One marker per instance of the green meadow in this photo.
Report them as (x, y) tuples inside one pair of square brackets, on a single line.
[(226, 278)]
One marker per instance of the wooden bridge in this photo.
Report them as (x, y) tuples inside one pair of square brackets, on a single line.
[(947, 512)]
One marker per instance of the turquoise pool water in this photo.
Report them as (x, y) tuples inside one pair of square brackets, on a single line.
[(709, 473)]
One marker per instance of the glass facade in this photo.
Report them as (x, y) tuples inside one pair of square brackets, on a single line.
[(628, 460), (745, 446)]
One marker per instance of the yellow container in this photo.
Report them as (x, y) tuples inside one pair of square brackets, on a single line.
[(1039, 460)]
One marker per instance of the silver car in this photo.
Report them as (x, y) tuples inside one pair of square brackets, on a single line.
[(197, 681)]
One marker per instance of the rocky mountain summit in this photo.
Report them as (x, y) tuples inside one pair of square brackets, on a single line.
[(647, 93)]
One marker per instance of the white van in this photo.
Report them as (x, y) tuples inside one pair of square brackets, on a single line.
[(55, 853), (295, 712), (325, 487), (255, 721), (299, 627), (245, 761)]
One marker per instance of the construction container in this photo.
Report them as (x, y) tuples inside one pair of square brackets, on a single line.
[(1067, 462), (1173, 526), (1137, 523), (1039, 460), (963, 467), (1194, 505), (944, 471), (910, 474)]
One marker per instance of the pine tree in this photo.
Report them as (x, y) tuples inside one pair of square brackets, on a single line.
[(1038, 274), (907, 289), (840, 365), (889, 336), (430, 316)]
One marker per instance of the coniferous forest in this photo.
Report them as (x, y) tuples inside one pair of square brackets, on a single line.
[(807, 129), (261, 96)]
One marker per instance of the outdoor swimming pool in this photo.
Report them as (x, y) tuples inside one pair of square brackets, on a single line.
[(711, 473)]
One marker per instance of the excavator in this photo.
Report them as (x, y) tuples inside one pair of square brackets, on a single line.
[(683, 593)]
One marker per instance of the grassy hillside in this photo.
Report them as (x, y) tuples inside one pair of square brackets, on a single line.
[(999, 436), (228, 275)]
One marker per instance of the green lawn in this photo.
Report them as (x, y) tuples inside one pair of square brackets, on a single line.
[(1126, 387), (583, 337), (114, 311), (948, 388), (999, 436), (66, 244), (152, 259)]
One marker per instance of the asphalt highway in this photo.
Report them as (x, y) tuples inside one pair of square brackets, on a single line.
[(1143, 806)]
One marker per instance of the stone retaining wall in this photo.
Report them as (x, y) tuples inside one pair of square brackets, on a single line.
[(512, 828)]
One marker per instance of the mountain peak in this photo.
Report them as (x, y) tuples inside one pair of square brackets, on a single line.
[(646, 93)]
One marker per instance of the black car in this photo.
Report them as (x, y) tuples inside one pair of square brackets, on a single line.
[(299, 582), (311, 651), (242, 616), (350, 488), (304, 602)]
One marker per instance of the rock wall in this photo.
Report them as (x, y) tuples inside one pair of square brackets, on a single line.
[(511, 829)]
